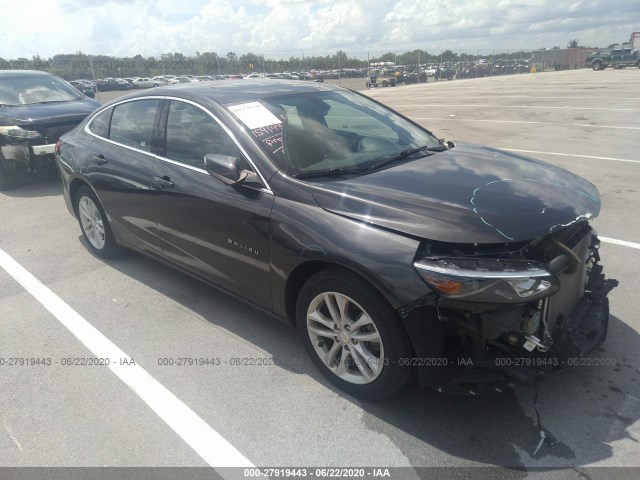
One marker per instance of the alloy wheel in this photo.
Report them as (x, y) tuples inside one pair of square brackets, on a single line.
[(92, 223), (345, 338)]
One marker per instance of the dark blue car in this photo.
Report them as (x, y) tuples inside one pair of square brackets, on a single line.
[(35, 109)]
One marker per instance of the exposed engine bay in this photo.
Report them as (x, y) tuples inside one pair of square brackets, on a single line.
[(506, 314)]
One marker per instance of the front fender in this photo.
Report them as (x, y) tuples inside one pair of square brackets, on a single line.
[(302, 233)]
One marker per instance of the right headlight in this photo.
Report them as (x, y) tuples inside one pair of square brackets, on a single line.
[(487, 280)]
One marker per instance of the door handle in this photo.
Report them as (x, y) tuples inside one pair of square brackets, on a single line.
[(100, 160), (163, 182)]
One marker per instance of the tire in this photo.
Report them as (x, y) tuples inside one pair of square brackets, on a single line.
[(368, 84), (94, 224), (370, 369), (385, 83), (7, 180), (638, 64), (597, 65)]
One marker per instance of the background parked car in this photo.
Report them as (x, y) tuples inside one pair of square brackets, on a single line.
[(35, 109), (144, 82), (111, 84), (84, 88)]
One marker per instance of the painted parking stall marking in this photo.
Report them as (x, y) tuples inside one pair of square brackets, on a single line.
[(569, 155), (207, 443), (526, 122), (537, 107), (622, 243)]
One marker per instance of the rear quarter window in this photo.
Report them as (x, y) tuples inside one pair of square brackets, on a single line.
[(100, 123)]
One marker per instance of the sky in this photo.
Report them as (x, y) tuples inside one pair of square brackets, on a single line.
[(279, 28)]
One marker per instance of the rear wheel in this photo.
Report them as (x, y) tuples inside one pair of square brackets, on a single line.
[(352, 335), (94, 224), (597, 65)]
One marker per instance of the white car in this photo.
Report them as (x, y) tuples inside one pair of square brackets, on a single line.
[(430, 71), (144, 82), (164, 80)]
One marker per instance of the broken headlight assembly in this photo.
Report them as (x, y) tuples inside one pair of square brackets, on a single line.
[(487, 280), (18, 133)]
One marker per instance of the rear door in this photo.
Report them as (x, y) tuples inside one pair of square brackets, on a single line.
[(120, 167), (216, 231)]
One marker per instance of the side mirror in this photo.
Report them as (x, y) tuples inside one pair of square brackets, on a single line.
[(227, 169)]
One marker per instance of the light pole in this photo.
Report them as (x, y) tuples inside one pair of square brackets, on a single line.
[(218, 62)]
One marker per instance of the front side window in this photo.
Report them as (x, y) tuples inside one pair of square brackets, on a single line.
[(192, 134), (132, 123)]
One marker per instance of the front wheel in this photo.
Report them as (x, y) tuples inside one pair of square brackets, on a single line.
[(353, 336), (7, 179), (597, 65), (94, 224)]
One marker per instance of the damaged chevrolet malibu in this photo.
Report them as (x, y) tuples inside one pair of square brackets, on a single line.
[(396, 254)]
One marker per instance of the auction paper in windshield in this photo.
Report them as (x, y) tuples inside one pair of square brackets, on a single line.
[(254, 115)]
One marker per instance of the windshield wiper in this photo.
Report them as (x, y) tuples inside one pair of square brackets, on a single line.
[(402, 155), (335, 171)]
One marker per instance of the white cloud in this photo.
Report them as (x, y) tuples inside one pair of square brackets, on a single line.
[(283, 27)]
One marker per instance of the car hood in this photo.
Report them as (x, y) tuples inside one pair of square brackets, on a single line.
[(468, 194), (39, 114)]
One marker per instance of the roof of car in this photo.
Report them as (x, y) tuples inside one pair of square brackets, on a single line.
[(234, 91), (23, 73)]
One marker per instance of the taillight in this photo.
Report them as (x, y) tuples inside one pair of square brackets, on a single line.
[(56, 150)]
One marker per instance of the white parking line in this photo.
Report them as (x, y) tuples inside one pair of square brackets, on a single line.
[(498, 96), (569, 155), (554, 107), (622, 243), (13, 437), (527, 122), (208, 443)]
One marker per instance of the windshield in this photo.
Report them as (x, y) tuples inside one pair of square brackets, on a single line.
[(332, 132), (30, 89)]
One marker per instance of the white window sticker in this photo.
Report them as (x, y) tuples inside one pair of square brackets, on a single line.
[(254, 115)]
